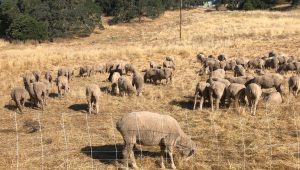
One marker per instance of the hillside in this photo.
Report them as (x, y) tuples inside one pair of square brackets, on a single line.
[(227, 139)]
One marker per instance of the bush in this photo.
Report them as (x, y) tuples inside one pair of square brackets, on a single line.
[(248, 5), (25, 27)]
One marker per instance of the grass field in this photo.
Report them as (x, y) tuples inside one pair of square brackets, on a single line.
[(227, 139)]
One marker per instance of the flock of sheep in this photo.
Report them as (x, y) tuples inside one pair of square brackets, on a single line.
[(155, 129), (243, 88)]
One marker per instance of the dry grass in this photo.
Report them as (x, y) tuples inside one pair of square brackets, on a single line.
[(228, 139)]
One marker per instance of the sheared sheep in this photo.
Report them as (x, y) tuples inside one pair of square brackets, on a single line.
[(236, 92), (253, 93), (19, 96), (93, 97), (239, 70), (41, 91), (62, 85), (216, 91), (202, 92), (114, 85), (294, 85), (138, 83), (272, 99), (86, 71), (125, 86), (152, 129)]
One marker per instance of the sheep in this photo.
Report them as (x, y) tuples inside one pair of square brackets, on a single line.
[(138, 83), (41, 91), (161, 74), (85, 71), (37, 75), (239, 70), (149, 74), (216, 91), (228, 64), (169, 64), (28, 79), (62, 85), (114, 85), (116, 66), (272, 99), (155, 65), (272, 62), (221, 57), (48, 76), (100, 68), (242, 61), (201, 58), (268, 81), (219, 73), (239, 80), (253, 94), (168, 58), (202, 92), (93, 96), (125, 86), (66, 71), (19, 95), (209, 66), (224, 81), (236, 92), (129, 68), (294, 85), (256, 63), (150, 129)]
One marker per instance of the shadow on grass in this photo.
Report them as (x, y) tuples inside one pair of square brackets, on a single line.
[(53, 95), (112, 154), (185, 104), (79, 107)]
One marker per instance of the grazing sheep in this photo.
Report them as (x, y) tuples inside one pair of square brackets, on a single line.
[(239, 70), (202, 92), (125, 86), (129, 68), (239, 80), (37, 75), (216, 91), (268, 81), (100, 68), (138, 83), (161, 74), (114, 85), (242, 61), (41, 91), (28, 79), (62, 85), (155, 65), (19, 96), (149, 74), (152, 129), (169, 64), (272, 99), (93, 96), (65, 71), (210, 65), (116, 66), (85, 71), (201, 58), (228, 64), (219, 73), (253, 94), (294, 85), (48, 76), (224, 81), (256, 63), (221, 57), (272, 62), (236, 92), (168, 58)]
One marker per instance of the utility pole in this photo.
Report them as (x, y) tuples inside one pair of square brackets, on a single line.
[(180, 22)]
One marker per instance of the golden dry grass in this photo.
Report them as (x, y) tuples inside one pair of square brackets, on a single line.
[(227, 139)]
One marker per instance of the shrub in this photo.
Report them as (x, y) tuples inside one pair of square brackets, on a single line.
[(25, 27)]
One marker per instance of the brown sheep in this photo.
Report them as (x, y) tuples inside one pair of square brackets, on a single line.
[(93, 96), (253, 93), (202, 92), (294, 85), (165, 73), (152, 129), (19, 96)]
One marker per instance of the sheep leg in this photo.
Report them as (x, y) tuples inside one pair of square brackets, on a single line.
[(19, 105), (97, 106), (255, 107), (218, 103), (195, 100), (90, 106), (170, 152), (211, 102), (131, 155), (201, 103), (162, 152)]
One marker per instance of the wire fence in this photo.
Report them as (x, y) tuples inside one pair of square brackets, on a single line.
[(216, 153)]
